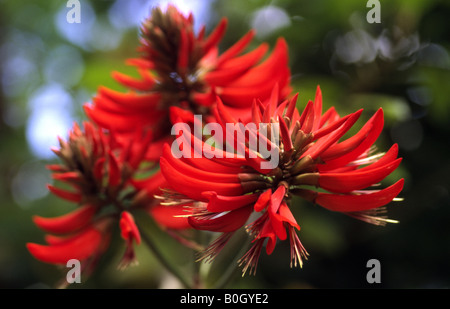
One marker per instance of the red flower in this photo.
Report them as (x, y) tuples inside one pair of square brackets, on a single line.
[(130, 234), (101, 174), (181, 73), (308, 151)]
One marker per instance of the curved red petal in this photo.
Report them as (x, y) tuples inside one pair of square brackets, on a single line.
[(224, 222), (356, 180), (323, 144), (376, 124), (220, 203), (133, 83), (80, 247), (270, 69), (70, 196), (231, 69), (128, 228), (193, 187), (236, 48), (67, 223), (350, 202), (114, 172), (263, 200), (217, 34), (151, 184), (172, 217), (187, 169)]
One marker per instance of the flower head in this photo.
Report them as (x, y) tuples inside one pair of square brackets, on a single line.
[(101, 173), (182, 72), (313, 161)]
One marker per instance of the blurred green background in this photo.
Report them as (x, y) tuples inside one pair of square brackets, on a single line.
[(49, 68)]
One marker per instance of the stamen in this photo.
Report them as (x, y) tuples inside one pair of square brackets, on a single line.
[(210, 253), (373, 216), (297, 249), (367, 160), (250, 259)]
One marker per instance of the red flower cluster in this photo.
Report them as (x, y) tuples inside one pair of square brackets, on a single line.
[(96, 173), (226, 190), (111, 168), (181, 75)]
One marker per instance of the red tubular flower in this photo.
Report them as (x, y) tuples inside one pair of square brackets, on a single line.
[(101, 173), (130, 234), (181, 73), (307, 151)]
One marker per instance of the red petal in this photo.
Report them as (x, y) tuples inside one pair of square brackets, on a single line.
[(152, 184), (73, 197), (56, 168), (224, 222), (133, 83), (118, 121), (114, 171), (275, 203), (306, 114), (225, 116), (317, 109), (68, 223), (128, 228), (285, 136), (98, 170), (234, 68), (356, 180), (272, 104), (187, 169), (291, 107), (236, 48), (141, 63), (205, 99), (332, 126), (193, 187), (80, 247), (245, 61), (388, 157), (243, 97), (286, 215), (376, 125), (268, 232), (183, 52), (323, 144), (217, 34), (128, 102), (329, 116), (136, 148), (67, 176), (349, 203), (263, 200), (171, 216), (209, 165), (220, 203), (269, 70)]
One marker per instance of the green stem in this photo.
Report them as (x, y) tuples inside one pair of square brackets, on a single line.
[(163, 260), (231, 271)]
